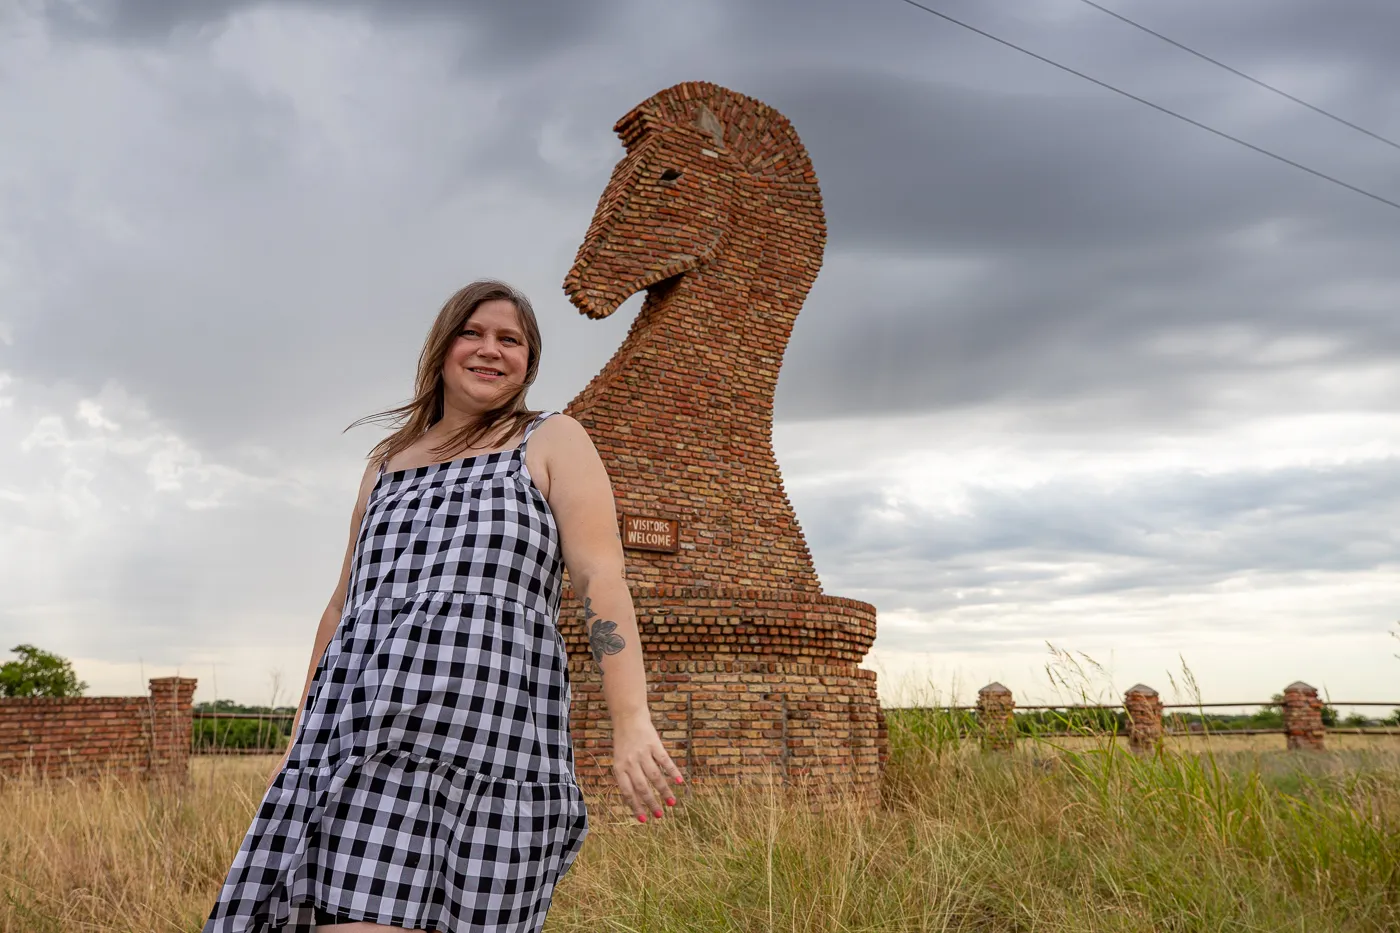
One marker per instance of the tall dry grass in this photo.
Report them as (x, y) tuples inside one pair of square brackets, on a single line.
[(1047, 839), (1050, 838)]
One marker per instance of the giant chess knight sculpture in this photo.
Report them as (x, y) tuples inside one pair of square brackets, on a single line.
[(716, 214)]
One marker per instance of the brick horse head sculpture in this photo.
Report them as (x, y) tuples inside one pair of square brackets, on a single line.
[(716, 214)]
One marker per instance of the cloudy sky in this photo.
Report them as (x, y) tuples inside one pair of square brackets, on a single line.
[(1075, 373)]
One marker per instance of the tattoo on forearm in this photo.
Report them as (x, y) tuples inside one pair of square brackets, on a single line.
[(602, 634)]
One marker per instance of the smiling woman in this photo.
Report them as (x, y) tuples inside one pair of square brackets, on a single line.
[(430, 784), (485, 328)]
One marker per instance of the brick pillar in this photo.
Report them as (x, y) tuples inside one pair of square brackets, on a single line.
[(995, 706), (171, 724), (1144, 719), (1302, 717)]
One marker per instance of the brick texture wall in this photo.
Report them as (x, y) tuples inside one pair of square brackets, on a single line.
[(85, 736), (716, 213)]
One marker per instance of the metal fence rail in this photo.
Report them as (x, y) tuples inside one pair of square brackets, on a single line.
[(1170, 725)]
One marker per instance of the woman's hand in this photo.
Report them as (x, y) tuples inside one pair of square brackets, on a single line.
[(645, 774)]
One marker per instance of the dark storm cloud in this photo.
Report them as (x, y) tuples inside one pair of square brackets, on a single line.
[(966, 144), (275, 277), (1167, 532), (1300, 45), (520, 29), (1095, 228), (1096, 225), (1096, 330), (1270, 35), (907, 163)]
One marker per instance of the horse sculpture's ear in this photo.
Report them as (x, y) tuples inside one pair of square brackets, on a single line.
[(708, 122)]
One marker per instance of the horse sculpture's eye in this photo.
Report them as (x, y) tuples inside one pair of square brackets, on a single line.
[(670, 175)]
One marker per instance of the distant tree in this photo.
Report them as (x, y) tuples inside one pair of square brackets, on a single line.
[(217, 706), (233, 706), (39, 673)]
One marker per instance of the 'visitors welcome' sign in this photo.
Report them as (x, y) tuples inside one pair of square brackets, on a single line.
[(650, 534)]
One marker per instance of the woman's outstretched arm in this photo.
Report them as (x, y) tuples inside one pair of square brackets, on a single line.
[(581, 498)]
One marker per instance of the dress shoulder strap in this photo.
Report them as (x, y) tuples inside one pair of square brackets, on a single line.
[(519, 457), (535, 423)]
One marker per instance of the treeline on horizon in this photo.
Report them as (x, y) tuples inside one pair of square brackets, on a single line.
[(229, 706)]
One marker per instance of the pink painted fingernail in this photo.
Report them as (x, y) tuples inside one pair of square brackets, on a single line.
[(642, 817), (679, 779), (670, 801), (658, 812)]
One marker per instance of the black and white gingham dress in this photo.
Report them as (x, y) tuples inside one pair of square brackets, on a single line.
[(430, 785)]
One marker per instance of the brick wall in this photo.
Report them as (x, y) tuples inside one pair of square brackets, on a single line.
[(83, 736), (716, 213)]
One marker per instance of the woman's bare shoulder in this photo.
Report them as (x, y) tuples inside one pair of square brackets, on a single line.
[(560, 446), (563, 438), (561, 425)]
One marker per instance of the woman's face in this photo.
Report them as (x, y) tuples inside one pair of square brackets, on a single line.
[(488, 360)]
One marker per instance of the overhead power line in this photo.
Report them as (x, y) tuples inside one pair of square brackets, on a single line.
[(1236, 71), (1158, 107)]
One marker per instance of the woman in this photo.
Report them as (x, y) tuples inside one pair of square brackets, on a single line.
[(430, 783)]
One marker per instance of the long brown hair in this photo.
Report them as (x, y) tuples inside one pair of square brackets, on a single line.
[(426, 409)]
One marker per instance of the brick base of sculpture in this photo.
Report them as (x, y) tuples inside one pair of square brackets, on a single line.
[(742, 689), (814, 725), (716, 214)]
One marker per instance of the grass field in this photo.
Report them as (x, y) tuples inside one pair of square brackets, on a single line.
[(1217, 834)]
